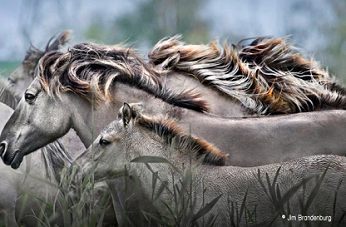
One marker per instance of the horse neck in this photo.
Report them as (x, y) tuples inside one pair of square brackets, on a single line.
[(219, 103), (88, 122), (125, 93), (154, 145)]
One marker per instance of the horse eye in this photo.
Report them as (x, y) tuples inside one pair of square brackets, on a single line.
[(104, 142), (29, 97)]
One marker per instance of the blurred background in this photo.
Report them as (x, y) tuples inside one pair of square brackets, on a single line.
[(318, 27)]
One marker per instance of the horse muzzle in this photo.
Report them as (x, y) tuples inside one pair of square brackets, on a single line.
[(14, 160)]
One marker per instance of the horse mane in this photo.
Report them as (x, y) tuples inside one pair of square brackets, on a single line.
[(7, 96), (33, 54), (55, 159), (92, 70), (267, 76), (176, 136)]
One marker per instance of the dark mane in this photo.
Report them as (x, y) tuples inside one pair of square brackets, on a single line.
[(268, 76), (90, 69), (169, 131)]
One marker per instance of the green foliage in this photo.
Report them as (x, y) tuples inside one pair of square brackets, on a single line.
[(153, 20), (336, 35), (7, 67)]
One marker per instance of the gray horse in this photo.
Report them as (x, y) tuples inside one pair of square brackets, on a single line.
[(80, 91), (77, 90), (158, 154), (20, 194), (12, 90), (25, 192)]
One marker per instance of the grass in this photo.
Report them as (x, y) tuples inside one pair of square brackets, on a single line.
[(82, 207), (82, 204)]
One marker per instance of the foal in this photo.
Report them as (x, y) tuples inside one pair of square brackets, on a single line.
[(156, 153)]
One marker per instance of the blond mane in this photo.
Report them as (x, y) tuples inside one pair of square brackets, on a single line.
[(92, 70), (268, 76)]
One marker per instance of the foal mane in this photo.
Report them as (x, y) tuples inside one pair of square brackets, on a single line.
[(176, 136), (267, 76), (92, 71)]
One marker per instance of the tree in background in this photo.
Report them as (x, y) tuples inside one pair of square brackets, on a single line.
[(337, 41), (155, 19)]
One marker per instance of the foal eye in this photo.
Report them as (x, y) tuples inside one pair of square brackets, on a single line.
[(104, 142), (29, 97)]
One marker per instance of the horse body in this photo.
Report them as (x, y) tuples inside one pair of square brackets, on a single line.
[(73, 92), (20, 194), (219, 104), (134, 135)]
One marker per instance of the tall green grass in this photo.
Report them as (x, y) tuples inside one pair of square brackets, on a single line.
[(82, 205)]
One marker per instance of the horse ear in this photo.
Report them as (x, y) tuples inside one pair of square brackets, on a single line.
[(127, 114), (63, 38)]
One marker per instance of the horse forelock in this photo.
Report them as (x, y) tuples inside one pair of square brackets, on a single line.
[(175, 136), (92, 70)]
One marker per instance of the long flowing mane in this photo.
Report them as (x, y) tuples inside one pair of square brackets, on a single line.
[(268, 76), (90, 69), (175, 136)]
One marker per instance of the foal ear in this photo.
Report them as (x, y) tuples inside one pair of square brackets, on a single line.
[(127, 114)]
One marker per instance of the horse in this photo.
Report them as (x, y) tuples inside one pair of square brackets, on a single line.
[(160, 156), (20, 194), (81, 88), (25, 193), (268, 76), (12, 90)]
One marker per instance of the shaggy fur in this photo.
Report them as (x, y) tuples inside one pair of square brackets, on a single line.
[(90, 69), (268, 76), (174, 134)]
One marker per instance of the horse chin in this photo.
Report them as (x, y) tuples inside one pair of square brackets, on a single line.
[(17, 160)]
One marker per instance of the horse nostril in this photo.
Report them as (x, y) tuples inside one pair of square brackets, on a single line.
[(2, 149)]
